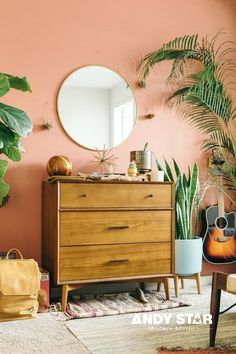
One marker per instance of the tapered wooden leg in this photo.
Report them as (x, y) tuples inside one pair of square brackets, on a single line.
[(198, 280), (182, 283), (214, 309), (166, 287), (176, 282), (65, 289)]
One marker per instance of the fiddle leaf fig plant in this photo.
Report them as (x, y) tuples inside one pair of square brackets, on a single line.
[(14, 124)]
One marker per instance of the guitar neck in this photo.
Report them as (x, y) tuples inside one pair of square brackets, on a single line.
[(220, 197)]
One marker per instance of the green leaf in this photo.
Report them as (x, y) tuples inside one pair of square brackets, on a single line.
[(19, 83), (4, 85), (13, 153), (185, 181), (179, 49), (6, 136), (194, 182), (159, 167), (145, 147), (179, 218), (16, 120), (4, 189), (3, 167), (177, 169), (168, 171), (10, 143), (219, 139), (182, 216)]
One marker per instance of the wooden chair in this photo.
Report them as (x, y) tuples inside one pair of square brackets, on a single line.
[(220, 281)]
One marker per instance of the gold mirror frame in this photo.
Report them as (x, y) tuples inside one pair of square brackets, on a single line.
[(60, 115)]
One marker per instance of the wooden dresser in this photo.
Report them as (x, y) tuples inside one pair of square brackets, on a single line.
[(97, 232)]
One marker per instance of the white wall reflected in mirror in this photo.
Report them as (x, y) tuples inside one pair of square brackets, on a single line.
[(96, 107)]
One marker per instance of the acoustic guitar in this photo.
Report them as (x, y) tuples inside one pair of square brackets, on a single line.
[(219, 233)]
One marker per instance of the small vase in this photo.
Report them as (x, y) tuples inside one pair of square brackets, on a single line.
[(132, 171)]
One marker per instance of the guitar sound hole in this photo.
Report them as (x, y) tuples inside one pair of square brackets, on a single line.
[(221, 223)]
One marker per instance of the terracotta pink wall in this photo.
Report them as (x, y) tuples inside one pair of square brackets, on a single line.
[(46, 40)]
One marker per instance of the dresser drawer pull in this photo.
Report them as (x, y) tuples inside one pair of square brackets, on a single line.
[(122, 227), (150, 196), (118, 260), (83, 195)]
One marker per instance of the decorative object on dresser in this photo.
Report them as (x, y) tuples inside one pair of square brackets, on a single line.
[(103, 161), (59, 165), (132, 169), (143, 159), (96, 232)]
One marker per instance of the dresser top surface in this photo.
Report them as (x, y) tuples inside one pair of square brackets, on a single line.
[(74, 179)]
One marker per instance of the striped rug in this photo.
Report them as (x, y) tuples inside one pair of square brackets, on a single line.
[(114, 304)]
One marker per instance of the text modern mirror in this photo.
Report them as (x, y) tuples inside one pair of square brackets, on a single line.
[(96, 107)]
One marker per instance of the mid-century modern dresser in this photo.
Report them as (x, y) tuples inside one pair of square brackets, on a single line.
[(97, 232)]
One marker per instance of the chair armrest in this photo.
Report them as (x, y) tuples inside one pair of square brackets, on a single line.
[(220, 280)]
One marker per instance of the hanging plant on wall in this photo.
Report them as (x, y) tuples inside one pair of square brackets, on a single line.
[(14, 124)]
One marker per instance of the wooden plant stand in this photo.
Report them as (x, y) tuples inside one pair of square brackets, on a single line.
[(196, 276), (176, 277)]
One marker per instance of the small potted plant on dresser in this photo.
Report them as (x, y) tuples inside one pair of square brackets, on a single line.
[(188, 246)]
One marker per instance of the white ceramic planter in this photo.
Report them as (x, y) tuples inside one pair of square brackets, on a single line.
[(188, 256)]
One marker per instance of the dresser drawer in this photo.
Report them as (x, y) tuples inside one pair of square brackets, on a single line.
[(108, 261), (114, 195), (106, 227)]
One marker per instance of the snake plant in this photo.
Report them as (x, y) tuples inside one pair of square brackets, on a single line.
[(186, 198), (203, 96), (14, 124)]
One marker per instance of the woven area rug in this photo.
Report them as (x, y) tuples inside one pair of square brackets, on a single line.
[(118, 335), (114, 304)]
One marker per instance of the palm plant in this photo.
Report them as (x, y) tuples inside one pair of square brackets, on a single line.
[(186, 197), (14, 124), (203, 96)]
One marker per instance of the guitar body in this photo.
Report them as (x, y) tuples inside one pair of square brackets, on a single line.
[(219, 236)]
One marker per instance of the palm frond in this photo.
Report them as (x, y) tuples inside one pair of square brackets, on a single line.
[(203, 96), (211, 108), (181, 48), (219, 139)]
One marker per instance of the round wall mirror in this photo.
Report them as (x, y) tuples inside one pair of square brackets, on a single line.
[(96, 107)]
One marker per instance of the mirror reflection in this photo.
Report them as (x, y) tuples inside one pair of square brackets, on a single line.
[(96, 107)]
